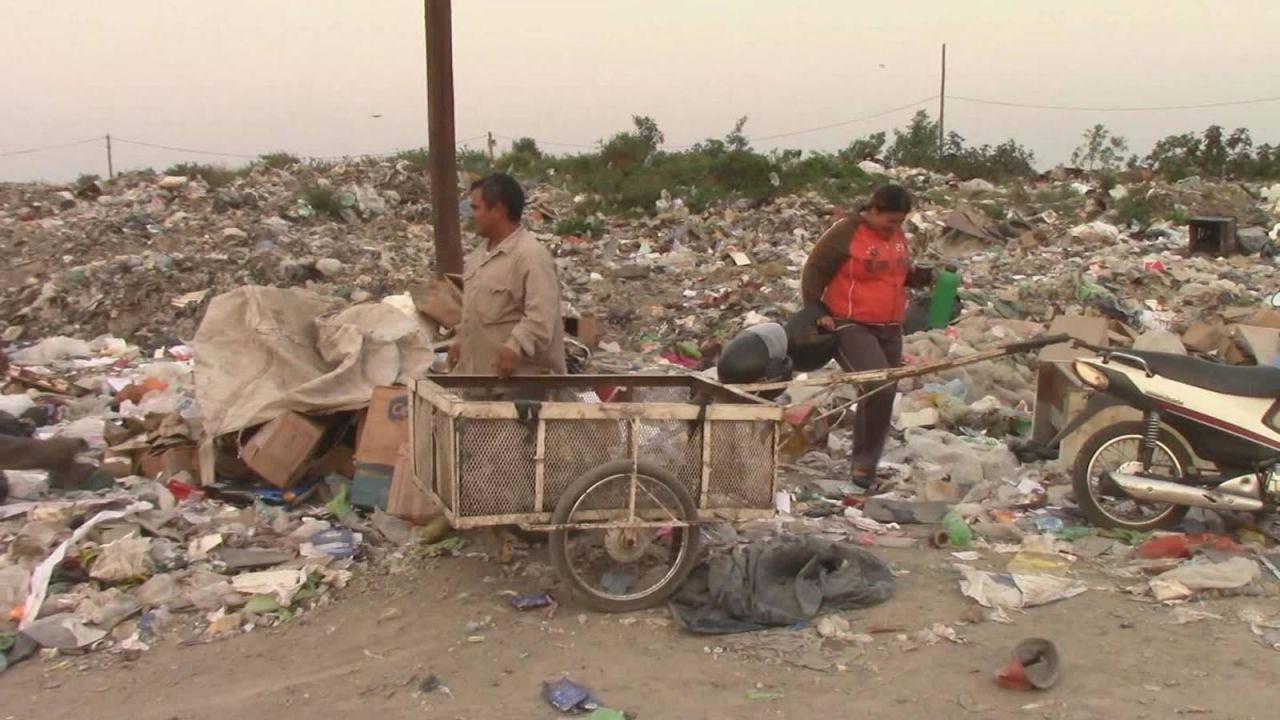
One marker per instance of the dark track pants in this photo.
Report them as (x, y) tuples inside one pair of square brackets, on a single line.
[(870, 347)]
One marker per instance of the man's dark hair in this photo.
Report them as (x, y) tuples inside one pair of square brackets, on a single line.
[(891, 198), (501, 188)]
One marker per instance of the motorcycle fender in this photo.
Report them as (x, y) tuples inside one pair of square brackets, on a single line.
[(1102, 410)]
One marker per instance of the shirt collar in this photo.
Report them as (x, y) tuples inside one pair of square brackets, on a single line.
[(505, 246)]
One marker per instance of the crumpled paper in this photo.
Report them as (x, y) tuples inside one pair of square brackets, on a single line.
[(1014, 591)]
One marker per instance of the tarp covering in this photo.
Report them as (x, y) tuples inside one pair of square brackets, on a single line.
[(261, 352), (778, 582)]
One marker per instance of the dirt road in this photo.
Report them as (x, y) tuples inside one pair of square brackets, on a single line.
[(367, 654)]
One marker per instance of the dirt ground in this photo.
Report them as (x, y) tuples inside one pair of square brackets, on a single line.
[(368, 652)]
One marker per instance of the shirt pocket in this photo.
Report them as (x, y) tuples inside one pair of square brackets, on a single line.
[(495, 306)]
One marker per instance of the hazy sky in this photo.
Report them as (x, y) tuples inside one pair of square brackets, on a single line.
[(252, 76)]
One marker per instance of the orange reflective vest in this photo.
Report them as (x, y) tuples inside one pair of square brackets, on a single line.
[(871, 285)]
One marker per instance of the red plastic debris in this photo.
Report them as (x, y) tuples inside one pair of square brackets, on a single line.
[(1183, 545)]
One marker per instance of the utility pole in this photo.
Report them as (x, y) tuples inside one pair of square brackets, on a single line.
[(490, 144), (440, 134), (111, 168), (942, 106)]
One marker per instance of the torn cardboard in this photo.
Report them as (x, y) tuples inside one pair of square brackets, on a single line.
[(282, 449), (1261, 343), (409, 499), (385, 427), (1092, 330)]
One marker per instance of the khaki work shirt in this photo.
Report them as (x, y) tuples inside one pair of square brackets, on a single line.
[(511, 297)]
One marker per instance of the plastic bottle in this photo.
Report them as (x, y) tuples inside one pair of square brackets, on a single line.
[(945, 288), (959, 534)]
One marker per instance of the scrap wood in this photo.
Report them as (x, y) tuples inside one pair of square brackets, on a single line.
[(893, 374), (58, 386)]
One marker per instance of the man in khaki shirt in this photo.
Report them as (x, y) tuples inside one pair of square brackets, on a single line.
[(511, 320)]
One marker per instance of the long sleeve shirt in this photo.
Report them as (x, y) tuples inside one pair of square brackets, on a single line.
[(511, 298)]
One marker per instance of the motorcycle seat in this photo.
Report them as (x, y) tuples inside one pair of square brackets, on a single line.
[(1248, 381)]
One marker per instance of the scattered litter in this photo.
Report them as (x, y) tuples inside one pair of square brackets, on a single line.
[(1183, 615), (283, 584), (1033, 665), (1185, 580), (1014, 591), (532, 601), (568, 696)]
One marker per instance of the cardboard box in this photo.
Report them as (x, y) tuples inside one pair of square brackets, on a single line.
[(1203, 337), (371, 485), (339, 460), (282, 449), (169, 461), (586, 328), (1092, 330), (1267, 318), (1263, 343), (385, 427), (408, 499)]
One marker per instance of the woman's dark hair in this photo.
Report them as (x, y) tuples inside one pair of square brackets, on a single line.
[(891, 198)]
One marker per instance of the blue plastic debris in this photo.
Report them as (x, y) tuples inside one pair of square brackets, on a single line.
[(532, 601), (339, 543), (568, 696)]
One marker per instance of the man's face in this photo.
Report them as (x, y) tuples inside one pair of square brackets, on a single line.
[(487, 218)]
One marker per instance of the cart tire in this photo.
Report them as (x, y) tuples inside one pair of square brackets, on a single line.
[(558, 542)]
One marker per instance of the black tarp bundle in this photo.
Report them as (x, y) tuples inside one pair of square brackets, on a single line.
[(780, 582)]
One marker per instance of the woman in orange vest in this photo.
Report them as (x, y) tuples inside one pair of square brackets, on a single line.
[(859, 271)]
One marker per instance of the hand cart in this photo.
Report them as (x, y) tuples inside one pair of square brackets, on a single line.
[(621, 485)]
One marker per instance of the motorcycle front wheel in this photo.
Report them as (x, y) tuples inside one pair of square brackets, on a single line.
[(1118, 448)]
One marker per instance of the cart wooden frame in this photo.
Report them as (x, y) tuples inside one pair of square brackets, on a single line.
[(472, 455)]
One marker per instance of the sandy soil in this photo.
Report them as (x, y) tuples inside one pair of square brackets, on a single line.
[(367, 653)]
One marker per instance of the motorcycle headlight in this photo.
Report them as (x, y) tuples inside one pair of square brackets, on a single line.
[(1090, 375)]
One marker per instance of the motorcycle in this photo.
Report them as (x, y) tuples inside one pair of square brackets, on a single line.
[(1144, 475)]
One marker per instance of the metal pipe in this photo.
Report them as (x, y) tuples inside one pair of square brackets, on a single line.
[(1147, 489)]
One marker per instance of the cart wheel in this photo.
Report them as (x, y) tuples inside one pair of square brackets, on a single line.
[(619, 569)]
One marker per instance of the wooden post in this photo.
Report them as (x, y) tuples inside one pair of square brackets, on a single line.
[(111, 168), (442, 151), (942, 107)]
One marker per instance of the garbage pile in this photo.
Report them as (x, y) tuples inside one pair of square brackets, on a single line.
[(140, 256), (133, 540), (172, 327)]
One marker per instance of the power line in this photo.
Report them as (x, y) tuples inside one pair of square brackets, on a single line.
[(864, 118), (28, 151), (554, 143), (199, 151), (1164, 108), (792, 133), (548, 141), (185, 150)]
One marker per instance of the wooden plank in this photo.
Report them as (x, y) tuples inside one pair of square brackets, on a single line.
[(733, 394), (705, 495), (892, 374), (540, 465), (562, 382), (619, 411), (773, 459), (439, 398), (544, 518)]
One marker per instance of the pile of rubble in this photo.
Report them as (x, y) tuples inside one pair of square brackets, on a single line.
[(108, 282)]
